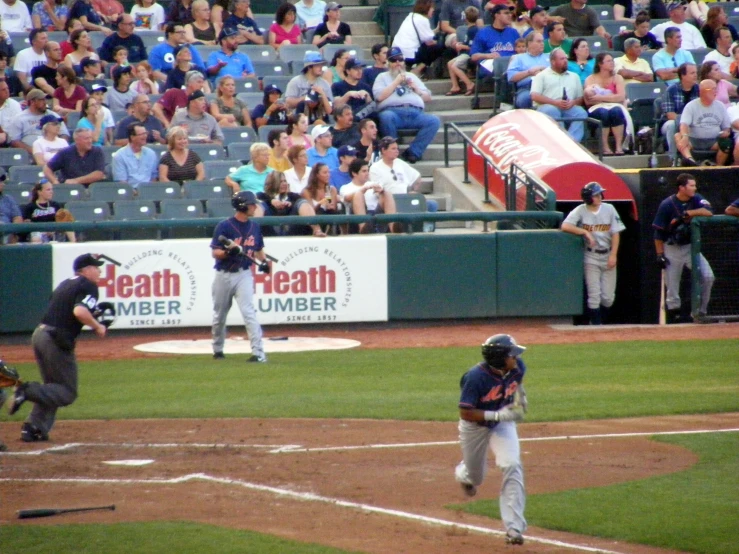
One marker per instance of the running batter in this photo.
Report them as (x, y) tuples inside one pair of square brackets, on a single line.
[(600, 225), (672, 244), (492, 401), (237, 244)]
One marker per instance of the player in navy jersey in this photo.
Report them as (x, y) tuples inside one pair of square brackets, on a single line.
[(237, 244), (492, 401)]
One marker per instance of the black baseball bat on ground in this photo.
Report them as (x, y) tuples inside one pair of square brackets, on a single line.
[(47, 512)]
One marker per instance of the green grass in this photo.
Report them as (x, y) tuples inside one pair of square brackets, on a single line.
[(695, 510), (688, 511), (565, 382), (146, 538)]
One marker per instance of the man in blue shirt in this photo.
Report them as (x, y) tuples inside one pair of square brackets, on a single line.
[(135, 163), (322, 151), (524, 66), (495, 41), (124, 37), (667, 60), (229, 61), (162, 56), (248, 29)]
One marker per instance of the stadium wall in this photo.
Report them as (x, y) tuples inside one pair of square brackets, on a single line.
[(343, 279)]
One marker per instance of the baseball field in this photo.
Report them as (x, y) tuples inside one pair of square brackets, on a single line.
[(630, 445)]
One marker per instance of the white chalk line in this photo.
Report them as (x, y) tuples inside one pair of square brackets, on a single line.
[(311, 497), (296, 448)]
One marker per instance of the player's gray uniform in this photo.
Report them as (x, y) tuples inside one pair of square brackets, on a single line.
[(234, 279), (503, 441), (602, 225)]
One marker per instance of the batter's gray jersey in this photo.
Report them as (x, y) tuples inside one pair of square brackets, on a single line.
[(602, 225)]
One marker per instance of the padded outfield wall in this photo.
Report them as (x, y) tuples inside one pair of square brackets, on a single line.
[(343, 279)]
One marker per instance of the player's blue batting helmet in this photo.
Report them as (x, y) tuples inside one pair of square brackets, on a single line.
[(497, 348), (590, 190), (242, 200)]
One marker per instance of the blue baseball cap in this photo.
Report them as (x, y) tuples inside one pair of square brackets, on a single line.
[(310, 59), (347, 150), (395, 53)]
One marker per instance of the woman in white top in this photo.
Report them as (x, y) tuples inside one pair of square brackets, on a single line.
[(297, 175), (416, 38), (46, 146), (147, 15), (80, 41)]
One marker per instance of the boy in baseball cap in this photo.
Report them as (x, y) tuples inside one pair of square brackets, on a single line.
[(309, 79), (347, 154)]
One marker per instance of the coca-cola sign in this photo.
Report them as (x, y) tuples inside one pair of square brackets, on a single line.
[(538, 145)]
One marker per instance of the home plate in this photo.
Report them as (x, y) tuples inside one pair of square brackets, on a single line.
[(129, 462), (240, 345)]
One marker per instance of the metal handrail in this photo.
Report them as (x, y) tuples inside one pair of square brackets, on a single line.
[(407, 218), (534, 185)]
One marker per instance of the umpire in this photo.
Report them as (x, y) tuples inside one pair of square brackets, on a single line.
[(70, 307)]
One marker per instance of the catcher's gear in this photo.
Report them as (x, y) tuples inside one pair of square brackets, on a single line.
[(104, 313), (497, 348), (590, 190), (8, 376), (64, 216), (242, 200)]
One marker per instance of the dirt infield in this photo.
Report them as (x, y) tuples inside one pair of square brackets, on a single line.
[(368, 486)]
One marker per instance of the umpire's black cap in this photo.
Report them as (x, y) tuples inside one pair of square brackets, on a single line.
[(81, 262)]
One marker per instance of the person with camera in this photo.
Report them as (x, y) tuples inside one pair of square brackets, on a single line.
[(672, 244), (401, 100)]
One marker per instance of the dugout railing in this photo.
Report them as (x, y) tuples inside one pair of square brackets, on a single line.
[(523, 190), (409, 220), (717, 238)]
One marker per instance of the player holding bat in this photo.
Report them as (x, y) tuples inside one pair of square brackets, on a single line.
[(237, 244)]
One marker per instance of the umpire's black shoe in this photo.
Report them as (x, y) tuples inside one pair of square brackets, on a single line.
[(19, 397), (31, 433), (218, 355)]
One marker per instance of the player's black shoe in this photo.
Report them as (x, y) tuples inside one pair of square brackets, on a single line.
[(19, 397), (513, 537), (469, 490), (261, 358), (31, 433), (218, 355)]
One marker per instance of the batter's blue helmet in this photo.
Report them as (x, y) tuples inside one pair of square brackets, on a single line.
[(590, 190), (242, 200), (497, 348)]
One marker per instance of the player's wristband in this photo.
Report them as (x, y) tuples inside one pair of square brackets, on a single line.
[(490, 415)]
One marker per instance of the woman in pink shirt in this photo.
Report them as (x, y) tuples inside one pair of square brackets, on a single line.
[(285, 30), (724, 89)]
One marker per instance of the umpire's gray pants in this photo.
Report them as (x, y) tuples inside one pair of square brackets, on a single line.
[(679, 257), (59, 373), (503, 440), (240, 285)]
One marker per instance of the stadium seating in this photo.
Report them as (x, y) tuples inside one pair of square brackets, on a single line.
[(330, 49), (239, 151), (158, 191), (135, 210), (220, 169), (239, 134), (219, 207), (182, 208), (264, 68), (21, 193), (14, 156), (205, 190), (25, 174), (69, 193), (208, 151), (109, 191), (259, 52), (604, 11)]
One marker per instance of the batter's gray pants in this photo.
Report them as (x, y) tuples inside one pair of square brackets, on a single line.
[(240, 285), (59, 373), (600, 283), (679, 257), (503, 440)]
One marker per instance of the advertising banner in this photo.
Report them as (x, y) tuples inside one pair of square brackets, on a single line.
[(168, 283)]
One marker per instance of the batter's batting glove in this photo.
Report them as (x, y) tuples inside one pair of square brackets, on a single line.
[(509, 413), (662, 262), (264, 267), (235, 250)]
